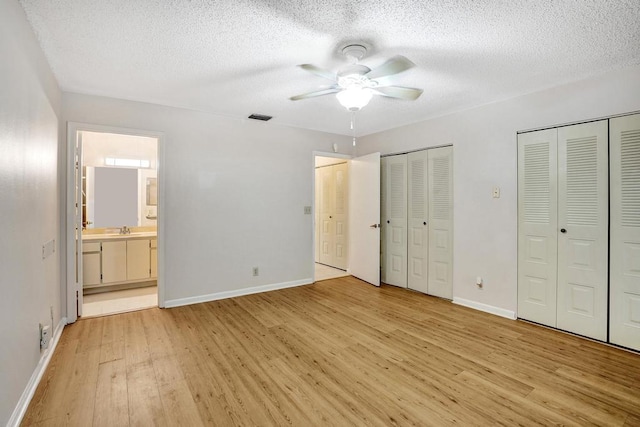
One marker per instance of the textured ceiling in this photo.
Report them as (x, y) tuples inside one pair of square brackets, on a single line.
[(238, 57)]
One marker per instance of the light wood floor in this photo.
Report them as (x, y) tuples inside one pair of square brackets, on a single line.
[(339, 352)]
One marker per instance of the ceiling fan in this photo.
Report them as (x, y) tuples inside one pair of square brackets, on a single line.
[(355, 84)]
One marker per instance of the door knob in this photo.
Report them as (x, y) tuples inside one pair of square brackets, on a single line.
[(330, 217), (424, 223), (563, 230), (388, 222), (374, 226)]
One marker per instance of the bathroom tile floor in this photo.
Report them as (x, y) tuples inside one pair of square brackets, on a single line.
[(324, 272), (114, 302)]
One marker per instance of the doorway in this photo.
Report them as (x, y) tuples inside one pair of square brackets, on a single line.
[(331, 217), (113, 221), (361, 226)]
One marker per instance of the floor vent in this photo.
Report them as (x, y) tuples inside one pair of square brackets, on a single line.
[(261, 117)]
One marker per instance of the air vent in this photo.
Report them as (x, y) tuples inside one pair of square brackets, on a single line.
[(260, 117)]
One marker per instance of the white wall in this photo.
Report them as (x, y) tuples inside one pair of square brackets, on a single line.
[(484, 141), (234, 196), (29, 192)]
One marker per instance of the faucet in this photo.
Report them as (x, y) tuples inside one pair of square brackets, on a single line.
[(125, 230)]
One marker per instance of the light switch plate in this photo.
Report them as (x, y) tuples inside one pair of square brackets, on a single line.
[(48, 248), (496, 192)]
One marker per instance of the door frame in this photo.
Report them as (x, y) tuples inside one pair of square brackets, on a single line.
[(69, 224), (315, 154)]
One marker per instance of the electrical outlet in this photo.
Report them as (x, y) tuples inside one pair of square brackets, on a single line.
[(307, 210), (496, 192), (45, 336), (256, 271)]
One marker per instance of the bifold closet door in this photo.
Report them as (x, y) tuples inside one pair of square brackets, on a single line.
[(440, 222), (417, 216), (395, 228), (537, 226), (624, 326), (583, 222)]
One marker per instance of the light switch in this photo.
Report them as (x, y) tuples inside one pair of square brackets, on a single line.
[(496, 192)]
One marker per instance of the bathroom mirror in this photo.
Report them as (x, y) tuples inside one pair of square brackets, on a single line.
[(115, 196), (152, 192)]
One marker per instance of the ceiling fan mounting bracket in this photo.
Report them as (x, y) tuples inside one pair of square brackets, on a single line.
[(354, 51)]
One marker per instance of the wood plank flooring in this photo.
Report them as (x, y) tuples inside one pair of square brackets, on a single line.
[(339, 352)]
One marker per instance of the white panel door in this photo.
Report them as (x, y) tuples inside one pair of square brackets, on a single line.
[(364, 218), (440, 224), (583, 166), (396, 225), (316, 214), (340, 215), (624, 326), (383, 218), (417, 214), (537, 226), (327, 231)]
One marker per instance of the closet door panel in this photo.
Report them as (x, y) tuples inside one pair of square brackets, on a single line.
[(624, 326), (396, 226), (583, 222), (417, 215), (317, 215), (537, 226), (340, 210), (440, 223)]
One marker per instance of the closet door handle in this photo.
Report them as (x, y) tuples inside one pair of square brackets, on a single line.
[(388, 222), (374, 226), (563, 230)]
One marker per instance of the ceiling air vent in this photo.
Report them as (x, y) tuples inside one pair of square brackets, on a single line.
[(261, 117)]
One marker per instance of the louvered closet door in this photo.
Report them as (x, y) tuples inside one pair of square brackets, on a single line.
[(583, 223), (440, 223), (327, 232), (624, 327), (383, 218), (396, 225), (537, 226), (340, 216), (417, 214)]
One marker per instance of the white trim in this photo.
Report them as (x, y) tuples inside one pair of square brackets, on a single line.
[(237, 293), (32, 385), (485, 307)]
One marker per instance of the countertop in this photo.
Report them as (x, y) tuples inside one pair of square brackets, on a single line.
[(117, 236)]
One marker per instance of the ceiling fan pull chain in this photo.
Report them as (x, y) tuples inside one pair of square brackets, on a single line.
[(353, 127)]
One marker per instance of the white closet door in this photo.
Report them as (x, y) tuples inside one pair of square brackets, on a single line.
[(583, 223), (396, 226), (327, 232), (317, 214), (440, 224), (417, 239), (537, 226), (625, 232), (340, 218), (383, 218)]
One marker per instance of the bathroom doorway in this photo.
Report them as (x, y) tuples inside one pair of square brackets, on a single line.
[(113, 221)]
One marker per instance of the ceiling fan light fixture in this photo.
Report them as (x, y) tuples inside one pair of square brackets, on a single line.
[(354, 98)]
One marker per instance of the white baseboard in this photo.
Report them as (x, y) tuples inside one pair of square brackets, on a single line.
[(238, 293), (29, 391), (486, 308)]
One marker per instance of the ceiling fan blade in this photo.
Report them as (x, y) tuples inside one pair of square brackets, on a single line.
[(395, 65), (400, 92), (318, 71), (315, 93)]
